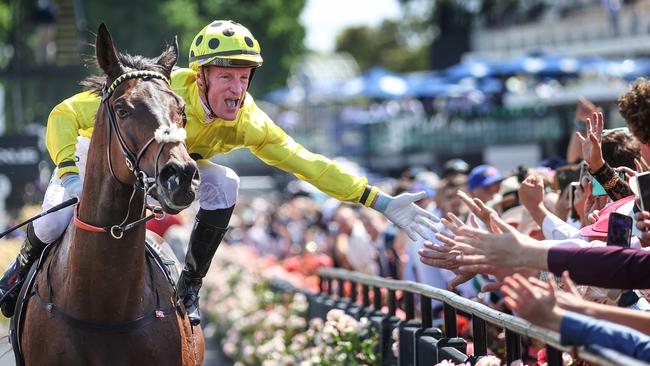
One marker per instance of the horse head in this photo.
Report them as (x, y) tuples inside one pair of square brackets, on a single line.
[(145, 122)]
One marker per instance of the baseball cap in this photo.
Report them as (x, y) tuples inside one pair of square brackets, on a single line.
[(623, 206), (483, 176)]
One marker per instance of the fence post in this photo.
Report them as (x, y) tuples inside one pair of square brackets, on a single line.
[(365, 295), (355, 309), (377, 298), (513, 346), (407, 332), (409, 305), (479, 334), (451, 330), (392, 302)]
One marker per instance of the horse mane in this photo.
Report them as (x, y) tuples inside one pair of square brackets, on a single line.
[(96, 83)]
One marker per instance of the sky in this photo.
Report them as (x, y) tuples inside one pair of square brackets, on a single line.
[(323, 19)]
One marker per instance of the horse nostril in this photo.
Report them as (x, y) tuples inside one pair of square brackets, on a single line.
[(175, 176), (169, 176)]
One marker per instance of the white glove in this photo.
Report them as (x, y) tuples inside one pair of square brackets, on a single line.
[(403, 212), (72, 185)]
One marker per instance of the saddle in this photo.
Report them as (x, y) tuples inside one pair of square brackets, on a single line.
[(158, 255)]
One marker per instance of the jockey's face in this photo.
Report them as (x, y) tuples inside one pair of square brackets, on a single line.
[(226, 89)]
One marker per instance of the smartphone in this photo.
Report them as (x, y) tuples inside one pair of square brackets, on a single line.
[(572, 199), (619, 230), (598, 190), (643, 183)]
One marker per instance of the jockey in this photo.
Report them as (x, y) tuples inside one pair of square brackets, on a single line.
[(221, 116)]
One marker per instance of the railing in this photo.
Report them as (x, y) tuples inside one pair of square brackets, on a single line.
[(420, 343)]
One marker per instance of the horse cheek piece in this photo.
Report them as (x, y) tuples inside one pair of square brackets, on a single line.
[(99, 299)]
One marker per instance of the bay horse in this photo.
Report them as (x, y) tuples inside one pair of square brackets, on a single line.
[(98, 299)]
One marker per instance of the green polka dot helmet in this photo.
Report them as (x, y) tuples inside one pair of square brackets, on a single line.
[(225, 43)]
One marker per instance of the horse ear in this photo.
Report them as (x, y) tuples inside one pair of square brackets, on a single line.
[(106, 53), (168, 58)]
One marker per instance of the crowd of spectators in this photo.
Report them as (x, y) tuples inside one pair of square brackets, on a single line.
[(533, 241)]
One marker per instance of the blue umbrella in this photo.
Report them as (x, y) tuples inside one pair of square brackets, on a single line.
[(632, 69), (427, 84), (474, 68), (539, 64), (629, 69), (377, 83)]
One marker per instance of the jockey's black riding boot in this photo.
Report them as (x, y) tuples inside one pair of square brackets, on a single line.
[(15, 275), (209, 230)]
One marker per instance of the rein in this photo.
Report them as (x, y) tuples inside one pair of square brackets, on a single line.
[(143, 182)]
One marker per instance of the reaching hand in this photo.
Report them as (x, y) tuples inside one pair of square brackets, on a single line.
[(591, 143), (570, 299), (477, 207), (585, 109), (531, 192), (510, 249), (443, 255), (643, 224), (641, 165), (534, 302), (403, 212)]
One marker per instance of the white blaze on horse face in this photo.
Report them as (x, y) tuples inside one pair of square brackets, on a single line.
[(171, 133)]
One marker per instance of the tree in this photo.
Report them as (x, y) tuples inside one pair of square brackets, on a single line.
[(144, 26), (388, 45)]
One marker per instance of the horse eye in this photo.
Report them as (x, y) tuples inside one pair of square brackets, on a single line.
[(122, 113), (184, 116)]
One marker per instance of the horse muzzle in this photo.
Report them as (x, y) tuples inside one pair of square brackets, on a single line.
[(177, 185)]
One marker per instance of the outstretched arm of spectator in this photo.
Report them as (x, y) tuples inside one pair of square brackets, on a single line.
[(626, 268), (536, 303), (571, 300), (510, 249)]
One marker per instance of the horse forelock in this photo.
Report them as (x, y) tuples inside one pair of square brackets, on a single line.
[(96, 83)]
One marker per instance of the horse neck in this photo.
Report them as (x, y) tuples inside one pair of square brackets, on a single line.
[(107, 273)]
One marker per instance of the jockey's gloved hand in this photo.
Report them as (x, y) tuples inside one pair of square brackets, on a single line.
[(403, 212), (72, 185)]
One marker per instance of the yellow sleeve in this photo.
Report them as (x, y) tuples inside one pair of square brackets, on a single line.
[(64, 124), (273, 146)]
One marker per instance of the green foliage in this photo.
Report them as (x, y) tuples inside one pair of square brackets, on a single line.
[(388, 45), (144, 26), (5, 22)]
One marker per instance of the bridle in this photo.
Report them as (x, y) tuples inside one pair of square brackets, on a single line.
[(143, 181), (162, 135), (132, 161)]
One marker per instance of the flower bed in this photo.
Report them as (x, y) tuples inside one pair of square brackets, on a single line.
[(257, 326)]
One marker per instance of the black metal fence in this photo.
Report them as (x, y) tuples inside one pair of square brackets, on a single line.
[(421, 341)]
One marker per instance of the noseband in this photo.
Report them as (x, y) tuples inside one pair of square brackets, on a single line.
[(162, 135)]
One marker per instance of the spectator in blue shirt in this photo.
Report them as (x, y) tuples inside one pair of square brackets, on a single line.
[(535, 301)]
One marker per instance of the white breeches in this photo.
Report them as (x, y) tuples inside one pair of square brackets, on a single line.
[(218, 189)]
